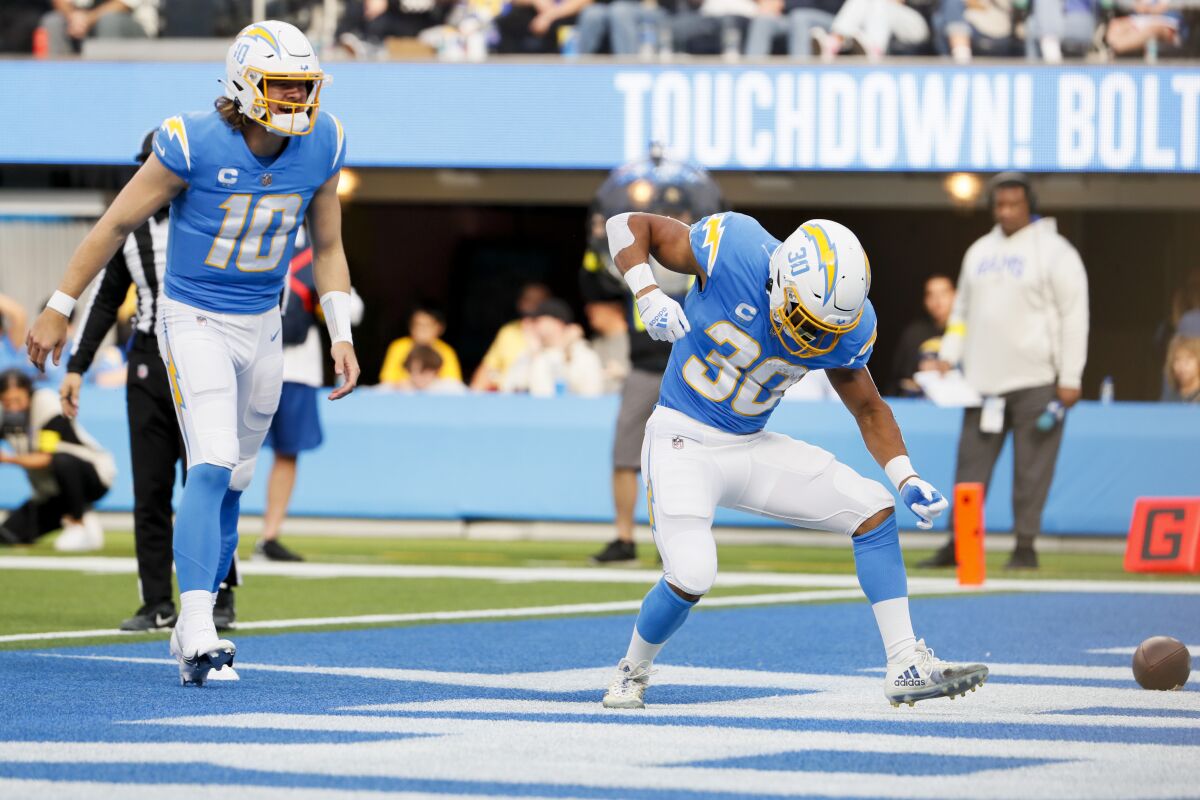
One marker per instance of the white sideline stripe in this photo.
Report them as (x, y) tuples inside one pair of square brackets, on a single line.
[(102, 564), (486, 613), (1194, 649)]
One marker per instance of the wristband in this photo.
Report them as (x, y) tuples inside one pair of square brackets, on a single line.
[(62, 302), (898, 470), (336, 306), (640, 277)]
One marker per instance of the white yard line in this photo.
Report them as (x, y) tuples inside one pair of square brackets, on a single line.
[(127, 566), (487, 613)]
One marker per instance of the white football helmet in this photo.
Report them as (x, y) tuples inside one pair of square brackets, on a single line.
[(820, 277), (272, 51)]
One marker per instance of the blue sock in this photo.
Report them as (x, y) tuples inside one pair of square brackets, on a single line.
[(198, 527), (662, 613), (231, 506), (879, 563)]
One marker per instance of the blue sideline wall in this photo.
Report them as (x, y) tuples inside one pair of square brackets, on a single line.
[(901, 117), (511, 457)]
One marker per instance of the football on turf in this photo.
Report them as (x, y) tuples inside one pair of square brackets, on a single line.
[(1162, 662)]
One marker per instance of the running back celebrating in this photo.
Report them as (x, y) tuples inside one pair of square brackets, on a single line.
[(762, 314)]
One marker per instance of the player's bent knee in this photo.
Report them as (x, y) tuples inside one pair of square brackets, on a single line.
[(242, 475), (692, 576), (875, 520)]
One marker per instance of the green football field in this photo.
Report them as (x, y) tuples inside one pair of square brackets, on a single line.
[(85, 598)]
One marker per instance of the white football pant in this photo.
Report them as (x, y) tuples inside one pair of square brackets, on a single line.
[(226, 373), (691, 468)]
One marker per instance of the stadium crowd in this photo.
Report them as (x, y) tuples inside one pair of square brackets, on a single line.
[(1039, 30)]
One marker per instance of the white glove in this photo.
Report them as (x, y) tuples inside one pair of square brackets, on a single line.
[(923, 500), (662, 316)]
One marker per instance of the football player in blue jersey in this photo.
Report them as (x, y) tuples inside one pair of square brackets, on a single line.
[(762, 314), (239, 179)]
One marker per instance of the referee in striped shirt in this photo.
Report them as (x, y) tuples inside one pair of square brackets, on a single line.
[(155, 443)]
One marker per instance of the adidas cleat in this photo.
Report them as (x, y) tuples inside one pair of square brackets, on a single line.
[(194, 670), (629, 687), (927, 677)]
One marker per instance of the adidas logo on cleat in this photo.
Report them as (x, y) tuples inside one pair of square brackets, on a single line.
[(910, 677)]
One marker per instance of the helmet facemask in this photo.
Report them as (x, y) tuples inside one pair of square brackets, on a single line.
[(295, 118), (794, 325)]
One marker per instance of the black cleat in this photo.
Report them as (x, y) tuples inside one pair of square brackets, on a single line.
[(272, 550), (223, 612), (942, 557), (1024, 557), (152, 618), (615, 552)]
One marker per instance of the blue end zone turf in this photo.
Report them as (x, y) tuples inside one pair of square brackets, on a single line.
[(761, 697)]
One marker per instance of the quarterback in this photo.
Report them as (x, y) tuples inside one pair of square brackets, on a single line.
[(762, 314), (239, 179)]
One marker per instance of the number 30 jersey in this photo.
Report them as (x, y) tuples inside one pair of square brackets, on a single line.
[(731, 370), (234, 226)]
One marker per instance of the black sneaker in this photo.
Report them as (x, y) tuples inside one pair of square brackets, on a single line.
[(942, 557), (615, 552), (223, 613), (1024, 557), (272, 550), (152, 618)]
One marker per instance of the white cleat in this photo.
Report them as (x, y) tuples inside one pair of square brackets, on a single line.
[(196, 668), (79, 539), (925, 676), (629, 687)]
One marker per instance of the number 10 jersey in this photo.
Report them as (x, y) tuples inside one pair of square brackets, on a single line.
[(731, 370), (234, 226)]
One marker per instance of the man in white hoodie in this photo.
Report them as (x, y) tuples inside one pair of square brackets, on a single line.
[(1019, 330)]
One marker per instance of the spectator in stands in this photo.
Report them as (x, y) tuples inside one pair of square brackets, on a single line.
[(376, 20), (1019, 328), (1147, 29), (606, 318), (510, 340), (917, 348), (1182, 370), (423, 366), (711, 27), (873, 25), (426, 326), (68, 470), (966, 27), (1059, 26), (794, 19), (13, 319), (72, 21), (557, 359), (296, 425), (532, 26), (622, 20)]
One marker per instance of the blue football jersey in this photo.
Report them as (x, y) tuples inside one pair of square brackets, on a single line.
[(731, 370), (234, 226)]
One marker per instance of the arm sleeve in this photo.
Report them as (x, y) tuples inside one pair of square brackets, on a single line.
[(172, 148), (951, 350), (100, 314), (1069, 281)]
